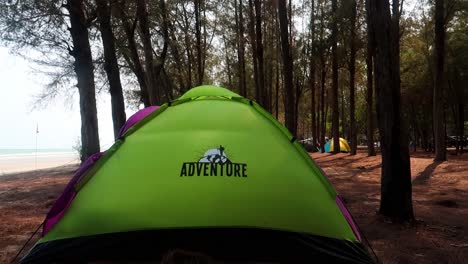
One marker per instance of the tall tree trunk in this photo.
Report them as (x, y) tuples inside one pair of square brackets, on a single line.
[(414, 126), (396, 194), (142, 14), (370, 105), (290, 15), (83, 67), (322, 101), (159, 65), (438, 104), (253, 42), (241, 49), (323, 72), (312, 76), (134, 59), (461, 119), (460, 110), (198, 39), (370, 84), (342, 120), (277, 85), (204, 47), (278, 55), (188, 47), (228, 62), (177, 56), (111, 66), (335, 112), (287, 68), (262, 96), (317, 116), (352, 71), (269, 30), (298, 91)]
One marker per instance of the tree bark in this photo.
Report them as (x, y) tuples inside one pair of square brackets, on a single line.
[(269, 30), (461, 119), (198, 40), (297, 96), (159, 65), (253, 45), (241, 49), (352, 72), (396, 193), (323, 74), (142, 14), (177, 57), (188, 47), (228, 62), (277, 66), (370, 106), (83, 67), (460, 110), (262, 97), (370, 84), (111, 66), (277, 85), (342, 120), (335, 112), (134, 59), (204, 47), (312, 76), (438, 104), (287, 68), (322, 101)]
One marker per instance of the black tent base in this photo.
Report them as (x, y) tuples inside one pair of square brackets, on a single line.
[(222, 244)]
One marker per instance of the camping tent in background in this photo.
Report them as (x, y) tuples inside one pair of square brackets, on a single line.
[(210, 172), (344, 146)]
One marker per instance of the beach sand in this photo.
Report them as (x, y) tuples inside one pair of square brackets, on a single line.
[(440, 200), (25, 199), (31, 161)]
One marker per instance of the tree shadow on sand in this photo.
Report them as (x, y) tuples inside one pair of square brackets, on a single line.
[(426, 173)]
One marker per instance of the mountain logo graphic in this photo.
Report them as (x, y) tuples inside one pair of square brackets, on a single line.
[(214, 163), (215, 156)]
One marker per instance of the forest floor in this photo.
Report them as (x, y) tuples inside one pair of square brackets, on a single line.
[(440, 202), (440, 196)]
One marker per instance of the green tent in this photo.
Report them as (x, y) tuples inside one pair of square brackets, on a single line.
[(210, 172)]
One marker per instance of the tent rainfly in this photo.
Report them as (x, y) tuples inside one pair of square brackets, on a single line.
[(210, 172)]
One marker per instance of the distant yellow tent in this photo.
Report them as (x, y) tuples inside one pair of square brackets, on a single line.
[(344, 146)]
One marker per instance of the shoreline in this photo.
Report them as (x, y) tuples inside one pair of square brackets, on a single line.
[(11, 163)]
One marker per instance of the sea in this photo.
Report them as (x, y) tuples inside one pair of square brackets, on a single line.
[(26, 152), (22, 153)]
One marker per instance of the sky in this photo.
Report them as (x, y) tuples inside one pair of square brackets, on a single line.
[(59, 124)]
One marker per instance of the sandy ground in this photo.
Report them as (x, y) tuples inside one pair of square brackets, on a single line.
[(440, 194), (28, 162), (440, 202)]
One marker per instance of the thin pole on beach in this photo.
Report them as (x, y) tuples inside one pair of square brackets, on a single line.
[(35, 156)]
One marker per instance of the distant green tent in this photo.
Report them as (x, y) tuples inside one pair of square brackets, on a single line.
[(210, 172)]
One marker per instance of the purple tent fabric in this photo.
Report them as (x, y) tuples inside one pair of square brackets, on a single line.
[(348, 217), (65, 199), (135, 118)]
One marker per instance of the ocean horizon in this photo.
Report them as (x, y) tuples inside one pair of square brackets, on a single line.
[(29, 152)]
